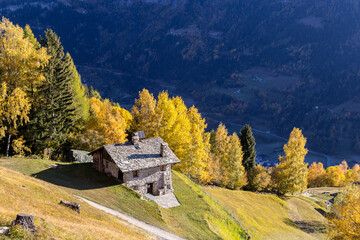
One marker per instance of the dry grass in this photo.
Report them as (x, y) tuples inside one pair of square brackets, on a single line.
[(22, 194), (266, 216), (198, 217)]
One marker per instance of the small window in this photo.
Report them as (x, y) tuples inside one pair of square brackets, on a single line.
[(168, 186), (106, 164), (135, 174), (162, 168)]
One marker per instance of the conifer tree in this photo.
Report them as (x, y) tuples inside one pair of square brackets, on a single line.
[(247, 142), (55, 116), (291, 173)]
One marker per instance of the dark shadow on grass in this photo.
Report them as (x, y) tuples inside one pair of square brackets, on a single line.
[(307, 226), (321, 211), (80, 176)]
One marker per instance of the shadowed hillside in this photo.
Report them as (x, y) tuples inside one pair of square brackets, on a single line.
[(276, 64)]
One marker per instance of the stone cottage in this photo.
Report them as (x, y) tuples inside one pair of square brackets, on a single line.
[(143, 165)]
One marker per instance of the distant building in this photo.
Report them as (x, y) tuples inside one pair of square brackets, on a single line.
[(143, 165), (79, 156)]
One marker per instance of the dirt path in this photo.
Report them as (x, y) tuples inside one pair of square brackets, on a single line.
[(158, 232)]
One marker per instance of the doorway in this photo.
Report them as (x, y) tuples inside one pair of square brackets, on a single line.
[(150, 187), (121, 176)]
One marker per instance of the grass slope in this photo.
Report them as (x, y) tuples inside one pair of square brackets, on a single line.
[(266, 216), (22, 194), (198, 217)]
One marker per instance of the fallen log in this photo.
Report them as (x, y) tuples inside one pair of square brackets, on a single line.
[(72, 205)]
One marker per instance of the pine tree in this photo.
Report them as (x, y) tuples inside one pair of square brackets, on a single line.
[(291, 173), (55, 116), (247, 142)]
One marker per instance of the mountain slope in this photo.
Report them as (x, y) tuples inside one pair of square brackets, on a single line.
[(22, 194), (198, 217), (266, 216), (286, 63)]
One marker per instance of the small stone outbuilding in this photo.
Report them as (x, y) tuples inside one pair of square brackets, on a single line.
[(143, 165)]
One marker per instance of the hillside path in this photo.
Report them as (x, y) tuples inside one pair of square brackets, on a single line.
[(158, 232)]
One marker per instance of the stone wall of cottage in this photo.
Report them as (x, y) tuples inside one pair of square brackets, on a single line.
[(111, 169), (161, 180)]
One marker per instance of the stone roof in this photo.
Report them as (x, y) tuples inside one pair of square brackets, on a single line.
[(146, 154)]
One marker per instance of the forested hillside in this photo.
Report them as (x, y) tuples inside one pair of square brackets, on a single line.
[(289, 62)]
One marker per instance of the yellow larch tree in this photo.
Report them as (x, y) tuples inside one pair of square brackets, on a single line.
[(105, 126), (233, 172), (20, 61), (15, 110), (198, 157), (180, 137), (291, 173), (345, 215), (166, 116), (20, 73), (220, 149), (316, 175), (144, 114), (334, 176)]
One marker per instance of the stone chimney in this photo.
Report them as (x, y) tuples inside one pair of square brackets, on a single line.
[(163, 149), (135, 139)]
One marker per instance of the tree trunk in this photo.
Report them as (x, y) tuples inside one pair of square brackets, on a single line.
[(25, 221), (8, 145)]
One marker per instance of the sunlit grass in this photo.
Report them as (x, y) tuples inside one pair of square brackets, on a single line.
[(22, 194), (265, 216)]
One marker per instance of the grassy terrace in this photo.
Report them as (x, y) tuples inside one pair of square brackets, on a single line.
[(198, 217)]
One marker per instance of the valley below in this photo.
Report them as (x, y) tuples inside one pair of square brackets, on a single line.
[(123, 88)]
